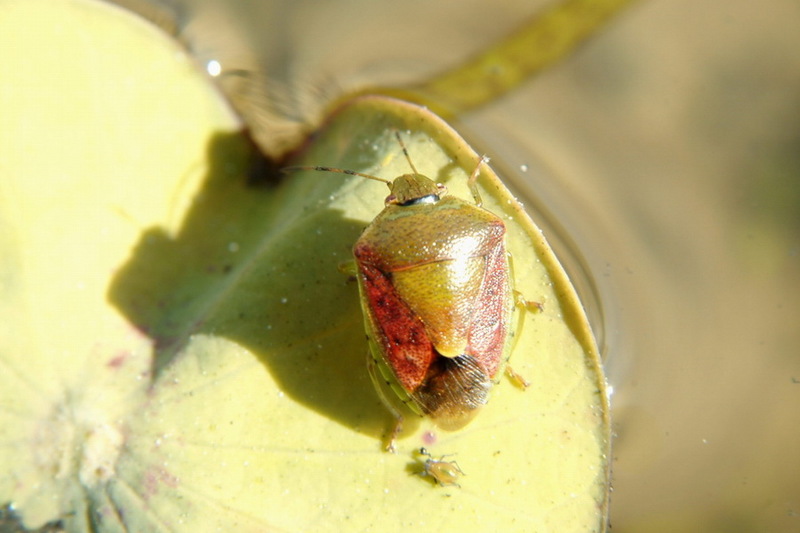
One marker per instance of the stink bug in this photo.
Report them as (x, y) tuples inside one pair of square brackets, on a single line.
[(445, 473), (437, 296)]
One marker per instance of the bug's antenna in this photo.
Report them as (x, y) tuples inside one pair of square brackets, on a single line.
[(337, 170), (405, 151)]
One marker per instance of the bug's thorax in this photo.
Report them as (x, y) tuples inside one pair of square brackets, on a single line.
[(414, 189)]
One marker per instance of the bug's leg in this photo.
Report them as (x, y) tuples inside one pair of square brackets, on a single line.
[(348, 268), (473, 188), (454, 471), (528, 305), (517, 379), (377, 382), (525, 306)]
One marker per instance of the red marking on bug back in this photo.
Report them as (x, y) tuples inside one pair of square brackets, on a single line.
[(488, 330), (409, 351)]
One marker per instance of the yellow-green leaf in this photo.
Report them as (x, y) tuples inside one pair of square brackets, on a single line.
[(179, 350)]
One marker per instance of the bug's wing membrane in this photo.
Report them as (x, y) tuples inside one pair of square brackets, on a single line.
[(454, 391)]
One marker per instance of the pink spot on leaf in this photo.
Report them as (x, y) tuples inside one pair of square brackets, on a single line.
[(118, 360), (429, 438)]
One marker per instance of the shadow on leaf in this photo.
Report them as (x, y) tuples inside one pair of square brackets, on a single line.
[(258, 266)]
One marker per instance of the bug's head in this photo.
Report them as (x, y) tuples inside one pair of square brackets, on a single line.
[(413, 189)]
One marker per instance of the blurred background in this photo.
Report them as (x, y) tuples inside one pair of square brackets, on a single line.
[(663, 162)]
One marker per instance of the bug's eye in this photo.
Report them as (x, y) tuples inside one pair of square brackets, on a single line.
[(391, 199), (428, 199)]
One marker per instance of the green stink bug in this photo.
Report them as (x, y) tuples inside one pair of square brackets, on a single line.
[(437, 296)]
